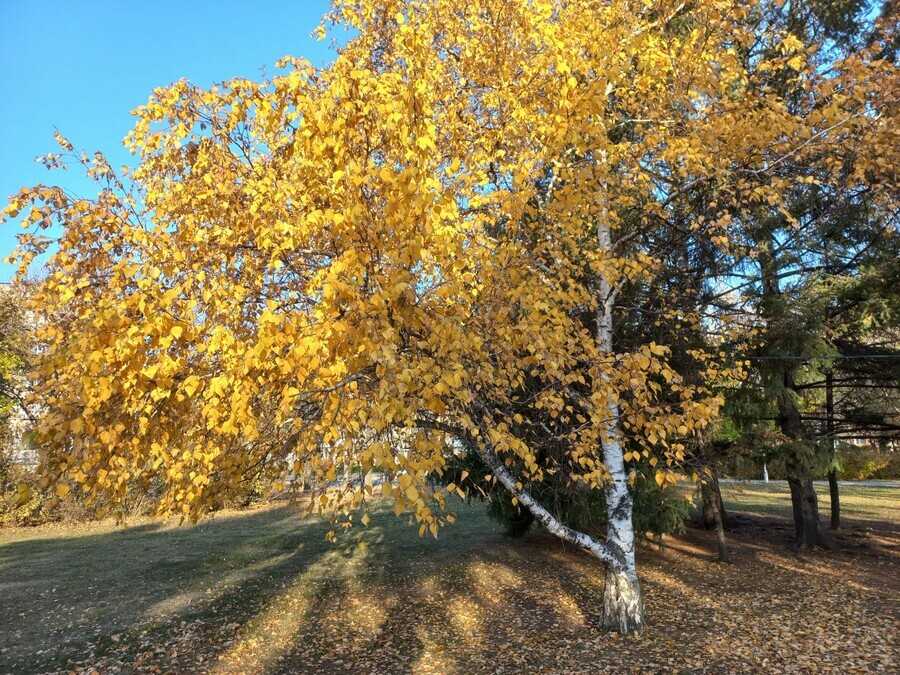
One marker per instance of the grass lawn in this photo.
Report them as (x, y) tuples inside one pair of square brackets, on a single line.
[(858, 502), (261, 591)]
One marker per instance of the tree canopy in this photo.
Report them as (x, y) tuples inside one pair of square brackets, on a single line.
[(427, 243)]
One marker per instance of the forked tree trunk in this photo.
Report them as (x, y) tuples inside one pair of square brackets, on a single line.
[(805, 503), (809, 531), (623, 603), (623, 606), (808, 527)]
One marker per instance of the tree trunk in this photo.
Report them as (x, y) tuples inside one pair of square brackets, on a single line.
[(708, 512), (623, 603), (835, 500), (809, 531), (623, 606), (799, 454), (717, 489), (832, 473), (713, 510), (715, 500), (724, 556)]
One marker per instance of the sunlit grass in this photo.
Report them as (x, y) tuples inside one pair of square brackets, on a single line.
[(858, 502)]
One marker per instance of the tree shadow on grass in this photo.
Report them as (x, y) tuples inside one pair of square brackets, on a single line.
[(263, 592), (507, 606), (532, 606), (74, 600), (203, 598), (429, 616)]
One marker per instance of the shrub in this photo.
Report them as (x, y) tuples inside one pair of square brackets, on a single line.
[(657, 510), (865, 463)]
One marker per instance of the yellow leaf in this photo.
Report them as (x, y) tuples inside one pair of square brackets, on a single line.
[(23, 495), (190, 385)]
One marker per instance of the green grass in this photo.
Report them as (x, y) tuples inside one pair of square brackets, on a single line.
[(262, 591), (76, 591), (858, 502)]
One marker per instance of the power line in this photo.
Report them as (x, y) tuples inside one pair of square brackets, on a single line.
[(820, 358), (851, 357)]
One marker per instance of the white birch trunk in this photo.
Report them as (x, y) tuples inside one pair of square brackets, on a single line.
[(541, 514), (483, 449), (623, 606)]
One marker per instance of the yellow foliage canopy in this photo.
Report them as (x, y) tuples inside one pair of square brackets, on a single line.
[(336, 265)]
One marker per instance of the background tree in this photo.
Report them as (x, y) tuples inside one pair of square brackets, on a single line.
[(832, 228), (16, 355)]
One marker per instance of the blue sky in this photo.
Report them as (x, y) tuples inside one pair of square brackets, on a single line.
[(80, 66)]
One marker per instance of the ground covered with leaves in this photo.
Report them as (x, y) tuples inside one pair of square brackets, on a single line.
[(262, 591)]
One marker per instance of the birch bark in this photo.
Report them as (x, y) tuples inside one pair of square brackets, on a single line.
[(623, 604)]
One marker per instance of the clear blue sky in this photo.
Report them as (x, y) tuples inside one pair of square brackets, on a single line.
[(81, 65)]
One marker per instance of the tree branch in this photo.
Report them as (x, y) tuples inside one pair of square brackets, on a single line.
[(483, 449)]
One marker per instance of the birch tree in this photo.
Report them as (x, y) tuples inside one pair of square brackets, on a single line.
[(417, 246)]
